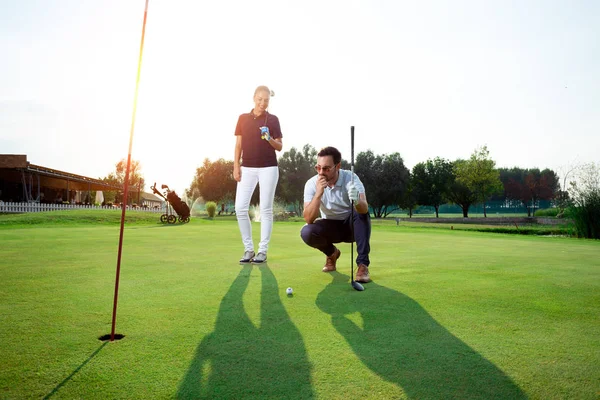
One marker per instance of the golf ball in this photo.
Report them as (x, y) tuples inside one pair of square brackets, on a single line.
[(289, 290)]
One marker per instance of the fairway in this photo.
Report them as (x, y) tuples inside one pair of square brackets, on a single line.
[(449, 314)]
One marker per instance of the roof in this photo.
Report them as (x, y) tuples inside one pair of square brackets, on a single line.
[(12, 167), (151, 197)]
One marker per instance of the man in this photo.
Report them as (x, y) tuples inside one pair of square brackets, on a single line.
[(328, 195)]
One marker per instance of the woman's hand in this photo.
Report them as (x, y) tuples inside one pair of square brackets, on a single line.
[(237, 173)]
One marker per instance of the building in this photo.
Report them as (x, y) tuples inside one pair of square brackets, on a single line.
[(22, 181), (149, 200)]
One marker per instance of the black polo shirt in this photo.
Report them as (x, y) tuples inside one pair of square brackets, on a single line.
[(257, 152)]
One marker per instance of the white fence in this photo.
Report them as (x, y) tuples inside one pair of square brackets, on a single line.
[(37, 207)]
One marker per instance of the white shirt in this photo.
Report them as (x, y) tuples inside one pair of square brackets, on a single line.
[(335, 203)]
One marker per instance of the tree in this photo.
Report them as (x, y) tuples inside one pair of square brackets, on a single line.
[(431, 182), (562, 199), (480, 176), (459, 193), (506, 175), (385, 179), (409, 200), (214, 181), (295, 168), (543, 185), (528, 186), (137, 183)]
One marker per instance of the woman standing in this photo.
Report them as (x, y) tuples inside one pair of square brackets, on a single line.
[(258, 135)]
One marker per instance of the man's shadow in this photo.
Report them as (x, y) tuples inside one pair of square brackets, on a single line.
[(403, 344), (239, 360)]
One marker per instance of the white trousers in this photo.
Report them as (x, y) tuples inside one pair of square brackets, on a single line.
[(266, 178)]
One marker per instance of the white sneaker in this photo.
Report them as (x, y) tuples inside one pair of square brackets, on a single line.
[(260, 258), (247, 258)]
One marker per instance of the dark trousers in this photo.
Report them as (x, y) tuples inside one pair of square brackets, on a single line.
[(323, 233)]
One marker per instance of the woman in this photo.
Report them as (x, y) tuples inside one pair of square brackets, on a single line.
[(258, 135)]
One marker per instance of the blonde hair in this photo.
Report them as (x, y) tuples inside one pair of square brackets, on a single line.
[(263, 89)]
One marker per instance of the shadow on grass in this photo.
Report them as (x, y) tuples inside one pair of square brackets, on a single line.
[(402, 343), (68, 378), (157, 225), (239, 360)]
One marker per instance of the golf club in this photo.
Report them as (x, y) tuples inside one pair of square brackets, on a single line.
[(355, 285)]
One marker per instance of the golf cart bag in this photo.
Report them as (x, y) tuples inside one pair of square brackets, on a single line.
[(174, 202)]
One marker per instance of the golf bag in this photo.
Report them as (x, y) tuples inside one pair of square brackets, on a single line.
[(180, 207), (174, 202)]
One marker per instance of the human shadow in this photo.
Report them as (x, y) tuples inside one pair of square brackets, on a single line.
[(403, 344), (240, 360)]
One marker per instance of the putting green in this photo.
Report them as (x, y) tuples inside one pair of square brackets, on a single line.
[(449, 314)]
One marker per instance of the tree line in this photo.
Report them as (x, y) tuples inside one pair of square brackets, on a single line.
[(137, 183), (391, 186)]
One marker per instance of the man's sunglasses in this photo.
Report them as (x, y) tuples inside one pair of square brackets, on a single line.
[(318, 168)]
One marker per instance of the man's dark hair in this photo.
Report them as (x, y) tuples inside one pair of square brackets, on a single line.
[(331, 151)]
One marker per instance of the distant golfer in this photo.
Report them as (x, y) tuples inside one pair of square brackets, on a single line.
[(328, 195), (258, 135)]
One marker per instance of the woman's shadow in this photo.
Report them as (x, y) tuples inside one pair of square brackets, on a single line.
[(403, 344), (240, 360)]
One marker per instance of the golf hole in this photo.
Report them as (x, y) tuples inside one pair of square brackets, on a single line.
[(106, 337)]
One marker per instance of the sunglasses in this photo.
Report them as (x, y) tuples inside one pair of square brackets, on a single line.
[(318, 168)]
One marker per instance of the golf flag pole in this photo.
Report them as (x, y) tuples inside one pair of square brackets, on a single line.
[(353, 283), (352, 207), (126, 184)]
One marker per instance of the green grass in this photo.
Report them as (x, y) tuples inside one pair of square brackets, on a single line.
[(450, 314), (77, 217), (508, 228), (458, 215)]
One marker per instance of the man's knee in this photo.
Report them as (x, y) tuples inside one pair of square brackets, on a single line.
[(306, 232), (363, 219)]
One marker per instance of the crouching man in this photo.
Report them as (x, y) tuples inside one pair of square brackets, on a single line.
[(329, 195)]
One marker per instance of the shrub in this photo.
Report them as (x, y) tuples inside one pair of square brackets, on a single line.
[(281, 216), (211, 208), (279, 210), (547, 212), (586, 216), (585, 211)]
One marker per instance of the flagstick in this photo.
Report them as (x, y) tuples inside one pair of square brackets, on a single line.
[(126, 185)]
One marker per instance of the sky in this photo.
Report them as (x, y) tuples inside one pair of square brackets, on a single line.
[(424, 79)]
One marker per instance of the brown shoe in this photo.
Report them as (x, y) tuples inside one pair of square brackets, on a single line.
[(362, 275), (331, 260)]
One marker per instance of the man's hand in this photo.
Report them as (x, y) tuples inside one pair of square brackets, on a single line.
[(353, 192), (321, 185), (312, 207), (237, 173)]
